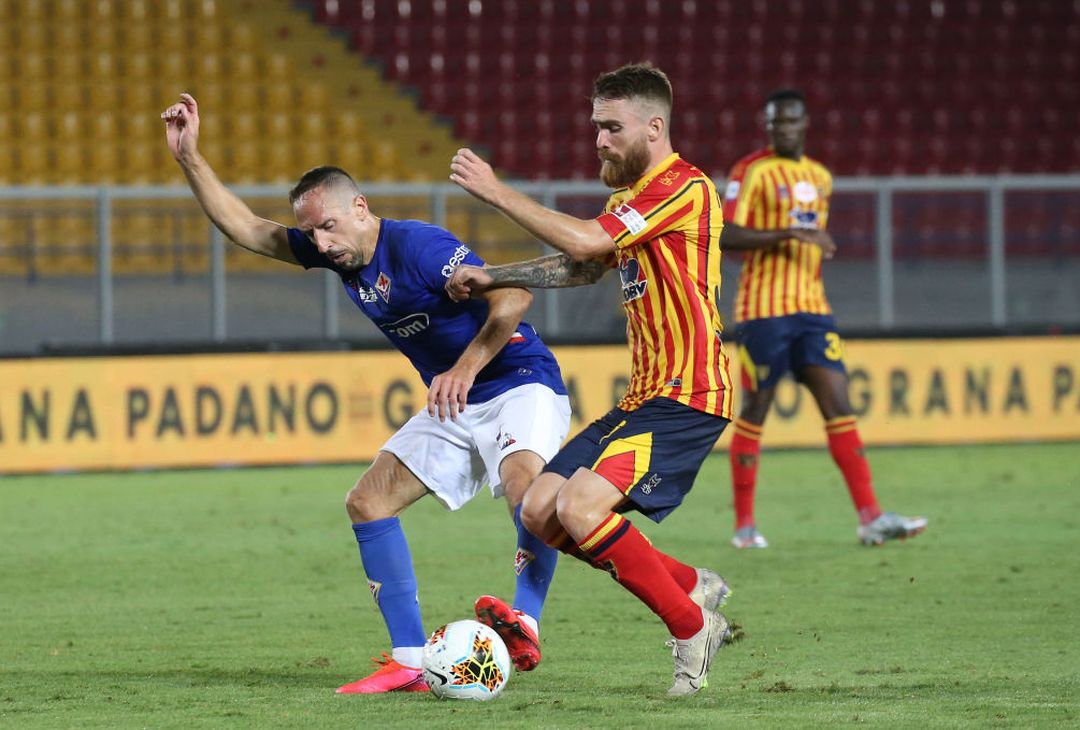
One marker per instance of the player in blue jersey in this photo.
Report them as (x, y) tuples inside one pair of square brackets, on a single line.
[(497, 409)]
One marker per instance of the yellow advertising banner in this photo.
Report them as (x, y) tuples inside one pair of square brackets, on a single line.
[(285, 408), (903, 391)]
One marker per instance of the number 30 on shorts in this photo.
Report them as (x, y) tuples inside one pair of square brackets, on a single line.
[(835, 348)]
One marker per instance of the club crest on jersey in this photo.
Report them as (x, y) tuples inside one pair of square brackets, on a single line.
[(382, 285), (505, 440), (805, 192), (375, 586), (522, 560), (633, 279)]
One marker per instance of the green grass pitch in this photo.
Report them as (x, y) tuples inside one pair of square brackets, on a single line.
[(237, 599)]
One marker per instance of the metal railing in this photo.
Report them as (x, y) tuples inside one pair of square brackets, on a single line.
[(441, 200)]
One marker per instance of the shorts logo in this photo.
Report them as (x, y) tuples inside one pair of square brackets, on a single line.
[(522, 559), (634, 282), (630, 218), (459, 255), (408, 326), (505, 440), (382, 285), (732, 190), (375, 586), (673, 383), (652, 483)]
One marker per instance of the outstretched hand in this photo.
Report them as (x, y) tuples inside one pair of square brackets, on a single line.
[(821, 239), (472, 173), (466, 281), (182, 126)]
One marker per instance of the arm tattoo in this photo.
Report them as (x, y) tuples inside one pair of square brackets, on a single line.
[(549, 272)]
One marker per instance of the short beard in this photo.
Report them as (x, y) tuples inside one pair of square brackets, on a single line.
[(624, 173)]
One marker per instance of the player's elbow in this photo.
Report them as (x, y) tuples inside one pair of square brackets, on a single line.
[(590, 247)]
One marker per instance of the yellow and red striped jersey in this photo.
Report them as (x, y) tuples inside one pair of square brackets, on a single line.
[(666, 229), (769, 192)]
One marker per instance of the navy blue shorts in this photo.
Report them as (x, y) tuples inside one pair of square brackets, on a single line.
[(770, 347), (652, 454)]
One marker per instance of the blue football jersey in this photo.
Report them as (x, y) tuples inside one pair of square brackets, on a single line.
[(402, 291)]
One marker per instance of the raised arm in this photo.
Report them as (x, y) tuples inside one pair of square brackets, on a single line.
[(548, 272), (450, 390), (228, 212), (582, 240)]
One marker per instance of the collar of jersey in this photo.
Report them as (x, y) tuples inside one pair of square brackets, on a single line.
[(648, 177)]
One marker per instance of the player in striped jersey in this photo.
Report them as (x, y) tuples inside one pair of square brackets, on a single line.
[(660, 230), (776, 205)]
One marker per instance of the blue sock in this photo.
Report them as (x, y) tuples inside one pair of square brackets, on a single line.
[(389, 570), (535, 566)]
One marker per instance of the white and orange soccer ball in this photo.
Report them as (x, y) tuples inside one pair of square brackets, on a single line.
[(466, 660)]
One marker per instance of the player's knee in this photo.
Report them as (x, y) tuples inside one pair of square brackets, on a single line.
[(362, 506), (536, 517), (568, 503)]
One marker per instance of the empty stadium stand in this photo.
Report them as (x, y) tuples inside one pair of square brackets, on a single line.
[(897, 87)]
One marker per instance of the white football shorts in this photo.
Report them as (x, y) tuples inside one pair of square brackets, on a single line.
[(455, 459)]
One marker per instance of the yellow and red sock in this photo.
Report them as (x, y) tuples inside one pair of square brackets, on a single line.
[(744, 454), (685, 575), (617, 546), (847, 451)]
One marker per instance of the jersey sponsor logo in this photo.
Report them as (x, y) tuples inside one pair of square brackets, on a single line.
[(459, 255), (807, 219), (732, 190), (408, 326), (669, 177), (805, 192), (382, 285), (630, 218), (633, 279)]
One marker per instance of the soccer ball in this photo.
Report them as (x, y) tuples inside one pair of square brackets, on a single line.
[(466, 660)]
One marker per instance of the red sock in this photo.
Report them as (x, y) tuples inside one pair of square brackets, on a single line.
[(635, 564), (847, 451), (744, 455), (685, 575)]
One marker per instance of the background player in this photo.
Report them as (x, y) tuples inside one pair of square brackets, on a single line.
[(661, 230), (776, 206), (496, 412)]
